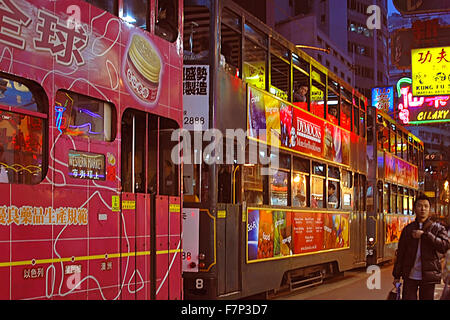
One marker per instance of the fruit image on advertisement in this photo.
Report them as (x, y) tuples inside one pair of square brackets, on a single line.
[(282, 233), (142, 69), (265, 235), (252, 234)]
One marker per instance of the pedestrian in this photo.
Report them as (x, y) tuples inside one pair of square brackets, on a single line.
[(417, 261)]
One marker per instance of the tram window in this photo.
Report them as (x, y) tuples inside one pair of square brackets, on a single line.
[(319, 169), (301, 165), (333, 107), (333, 172), (255, 59), (253, 184), (410, 152), (299, 189), (169, 171), (231, 19), (362, 124), (393, 197), (411, 202), (301, 92), (196, 33), (231, 50), (400, 200), (404, 146), (334, 195), (21, 149), (279, 77), (386, 197), (152, 155), (317, 99), (346, 115), (107, 5), (279, 186), (393, 134), (256, 35), (399, 144), (355, 120), (347, 179), (135, 12), (300, 62), (80, 115), (317, 192), (166, 25), (405, 202)]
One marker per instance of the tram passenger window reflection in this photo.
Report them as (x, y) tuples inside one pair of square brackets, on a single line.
[(317, 192), (167, 20), (299, 191), (333, 195)]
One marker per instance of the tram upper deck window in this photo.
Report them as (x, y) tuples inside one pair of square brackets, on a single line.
[(135, 12), (393, 134), (23, 128), (231, 50), (355, 120), (196, 33), (255, 61), (301, 92), (346, 115), (332, 103), (362, 124), (80, 115), (107, 5), (317, 99), (279, 71), (258, 36), (166, 25)]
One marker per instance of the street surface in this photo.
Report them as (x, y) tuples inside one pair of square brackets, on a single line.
[(352, 286)]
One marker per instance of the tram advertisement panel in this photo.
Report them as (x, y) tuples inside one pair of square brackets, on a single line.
[(394, 226), (280, 124), (400, 171), (278, 233)]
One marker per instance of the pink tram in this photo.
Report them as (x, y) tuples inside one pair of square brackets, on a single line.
[(90, 93)]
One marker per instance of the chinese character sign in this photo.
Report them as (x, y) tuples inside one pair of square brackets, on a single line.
[(383, 98), (430, 71), (418, 110), (196, 96)]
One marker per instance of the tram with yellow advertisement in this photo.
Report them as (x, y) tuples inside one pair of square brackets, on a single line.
[(294, 212), (394, 179), (90, 201)]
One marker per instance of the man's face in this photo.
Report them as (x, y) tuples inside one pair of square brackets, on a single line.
[(422, 209), (303, 90)]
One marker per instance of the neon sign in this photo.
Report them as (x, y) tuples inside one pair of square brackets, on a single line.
[(383, 98), (418, 110)]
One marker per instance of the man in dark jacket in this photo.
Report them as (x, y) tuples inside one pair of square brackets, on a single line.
[(417, 255)]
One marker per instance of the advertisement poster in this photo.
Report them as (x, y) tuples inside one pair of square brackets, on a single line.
[(394, 226), (383, 98), (196, 97), (399, 171), (279, 233), (293, 128), (430, 71), (309, 132)]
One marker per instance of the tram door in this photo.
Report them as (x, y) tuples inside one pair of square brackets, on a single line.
[(360, 214), (150, 209)]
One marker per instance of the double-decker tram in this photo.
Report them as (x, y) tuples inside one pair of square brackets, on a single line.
[(396, 175), (90, 93), (293, 212)]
